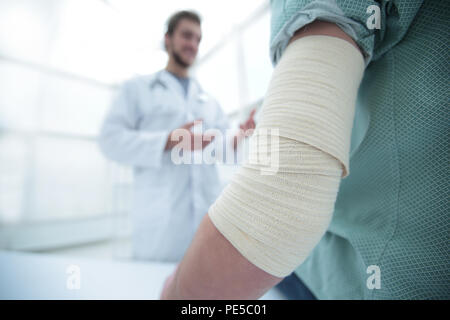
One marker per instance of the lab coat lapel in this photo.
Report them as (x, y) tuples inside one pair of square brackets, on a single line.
[(172, 83), (195, 98), (194, 94), (193, 91)]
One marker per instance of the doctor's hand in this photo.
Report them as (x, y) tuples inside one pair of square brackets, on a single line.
[(249, 123), (186, 139), (246, 129)]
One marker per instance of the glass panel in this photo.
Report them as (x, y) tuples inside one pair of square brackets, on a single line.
[(26, 28), (14, 157), (70, 106), (70, 179), (258, 67), (89, 41), (19, 94), (218, 76)]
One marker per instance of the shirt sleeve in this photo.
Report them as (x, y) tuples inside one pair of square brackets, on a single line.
[(121, 141), (354, 17)]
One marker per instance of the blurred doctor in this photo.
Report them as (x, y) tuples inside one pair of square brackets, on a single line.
[(169, 199)]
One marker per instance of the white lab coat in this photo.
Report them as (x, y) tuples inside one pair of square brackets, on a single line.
[(169, 200)]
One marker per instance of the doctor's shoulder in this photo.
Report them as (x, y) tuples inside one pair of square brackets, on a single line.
[(153, 95), (140, 82), (139, 87), (130, 86)]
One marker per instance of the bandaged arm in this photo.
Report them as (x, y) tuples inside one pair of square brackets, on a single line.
[(217, 264), (275, 212)]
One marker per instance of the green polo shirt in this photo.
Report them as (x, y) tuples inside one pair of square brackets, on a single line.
[(393, 210)]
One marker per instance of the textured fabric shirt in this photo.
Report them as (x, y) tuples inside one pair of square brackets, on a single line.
[(393, 210), (184, 82)]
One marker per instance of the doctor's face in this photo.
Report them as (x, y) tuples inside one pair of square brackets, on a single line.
[(183, 44)]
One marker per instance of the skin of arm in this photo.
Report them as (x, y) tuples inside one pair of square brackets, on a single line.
[(212, 268)]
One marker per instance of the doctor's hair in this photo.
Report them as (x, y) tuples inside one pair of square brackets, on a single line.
[(175, 18)]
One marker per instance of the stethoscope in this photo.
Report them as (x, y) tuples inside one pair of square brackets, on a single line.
[(157, 81), (201, 96)]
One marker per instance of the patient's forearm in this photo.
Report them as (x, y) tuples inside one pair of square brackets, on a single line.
[(213, 269)]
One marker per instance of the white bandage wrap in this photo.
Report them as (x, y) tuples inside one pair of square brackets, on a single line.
[(275, 220)]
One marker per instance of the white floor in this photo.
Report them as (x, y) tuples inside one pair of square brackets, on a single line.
[(105, 250), (117, 251)]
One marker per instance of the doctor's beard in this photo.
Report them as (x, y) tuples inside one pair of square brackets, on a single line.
[(179, 60)]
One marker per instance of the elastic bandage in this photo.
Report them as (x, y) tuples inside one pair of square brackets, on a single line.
[(275, 212)]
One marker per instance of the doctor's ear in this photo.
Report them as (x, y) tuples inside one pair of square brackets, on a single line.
[(166, 42)]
